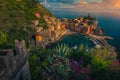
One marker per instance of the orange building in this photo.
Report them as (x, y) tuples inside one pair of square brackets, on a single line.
[(39, 38), (88, 30), (63, 26), (37, 15)]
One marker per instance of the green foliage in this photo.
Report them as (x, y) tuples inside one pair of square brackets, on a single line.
[(43, 23), (62, 50), (115, 70), (64, 63), (45, 64), (4, 44), (37, 62), (19, 34), (77, 55), (81, 53), (100, 69), (34, 68), (16, 19), (58, 69), (101, 53), (81, 48), (3, 38)]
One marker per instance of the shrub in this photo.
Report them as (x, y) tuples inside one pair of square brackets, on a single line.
[(49, 64), (115, 70), (3, 38), (100, 69), (79, 71)]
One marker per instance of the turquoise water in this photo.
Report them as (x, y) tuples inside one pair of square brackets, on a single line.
[(75, 40)]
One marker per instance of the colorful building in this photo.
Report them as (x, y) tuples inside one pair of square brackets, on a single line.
[(37, 15), (39, 38)]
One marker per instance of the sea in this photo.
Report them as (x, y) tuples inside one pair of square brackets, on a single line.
[(108, 21)]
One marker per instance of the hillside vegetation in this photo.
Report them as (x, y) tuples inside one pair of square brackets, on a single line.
[(15, 19), (65, 63)]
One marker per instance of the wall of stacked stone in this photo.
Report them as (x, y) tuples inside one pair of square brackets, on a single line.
[(10, 61)]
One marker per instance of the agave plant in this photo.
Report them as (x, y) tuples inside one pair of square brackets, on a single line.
[(59, 66), (53, 64), (62, 50)]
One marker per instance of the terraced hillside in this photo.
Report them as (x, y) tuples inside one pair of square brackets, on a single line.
[(15, 19)]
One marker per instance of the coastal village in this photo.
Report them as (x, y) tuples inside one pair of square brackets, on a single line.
[(57, 28), (85, 25)]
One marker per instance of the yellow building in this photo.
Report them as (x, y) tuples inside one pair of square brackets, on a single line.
[(58, 26), (39, 38), (52, 28), (81, 19), (48, 22)]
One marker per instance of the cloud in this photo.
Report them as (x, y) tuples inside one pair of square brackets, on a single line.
[(56, 5), (105, 5), (82, 5), (112, 3), (61, 1)]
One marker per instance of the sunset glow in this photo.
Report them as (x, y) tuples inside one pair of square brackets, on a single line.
[(84, 4), (117, 4), (112, 3), (59, 39)]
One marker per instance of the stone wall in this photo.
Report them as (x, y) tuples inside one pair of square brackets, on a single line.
[(14, 63)]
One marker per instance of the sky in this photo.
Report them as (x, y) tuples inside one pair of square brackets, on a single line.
[(82, 5)]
